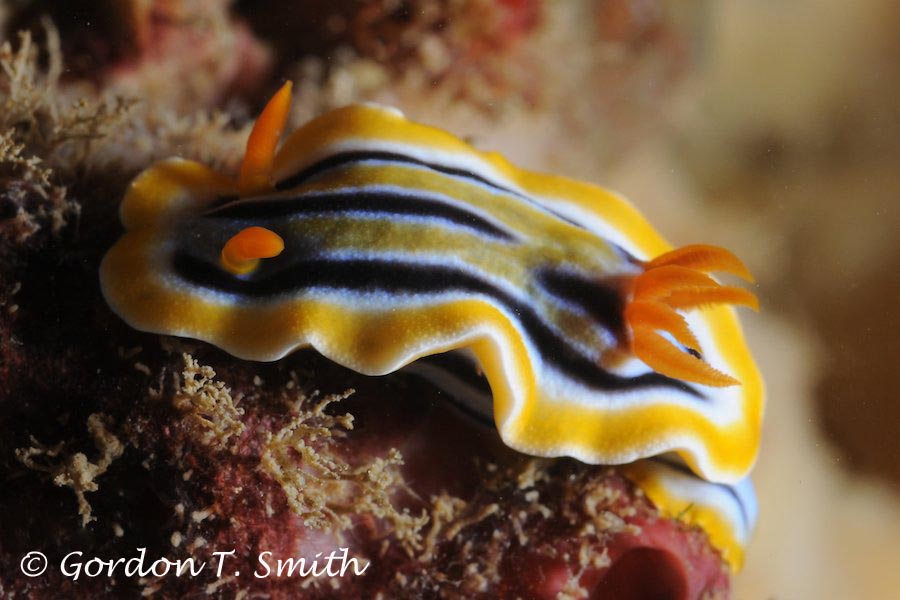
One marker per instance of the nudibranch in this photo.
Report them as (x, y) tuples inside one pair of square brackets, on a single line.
[(547, 305)]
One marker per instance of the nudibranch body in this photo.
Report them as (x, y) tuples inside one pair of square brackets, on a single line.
[(380, 242)]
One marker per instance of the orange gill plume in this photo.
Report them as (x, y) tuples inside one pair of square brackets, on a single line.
[(674, 281)]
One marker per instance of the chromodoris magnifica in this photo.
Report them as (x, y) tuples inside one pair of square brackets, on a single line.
[(547, 306)]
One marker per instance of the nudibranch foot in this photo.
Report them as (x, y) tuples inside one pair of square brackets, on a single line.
[(673, 281), (727, 513)]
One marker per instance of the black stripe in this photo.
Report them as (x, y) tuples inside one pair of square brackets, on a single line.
[(602, 300), (682, 468), (386, 203), (343, 158), (406, 278)]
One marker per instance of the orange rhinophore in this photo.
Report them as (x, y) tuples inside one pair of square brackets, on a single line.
[(677, 280), (256, 169), (242, 252)]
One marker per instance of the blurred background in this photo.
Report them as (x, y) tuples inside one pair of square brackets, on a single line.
[(771, 128)]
